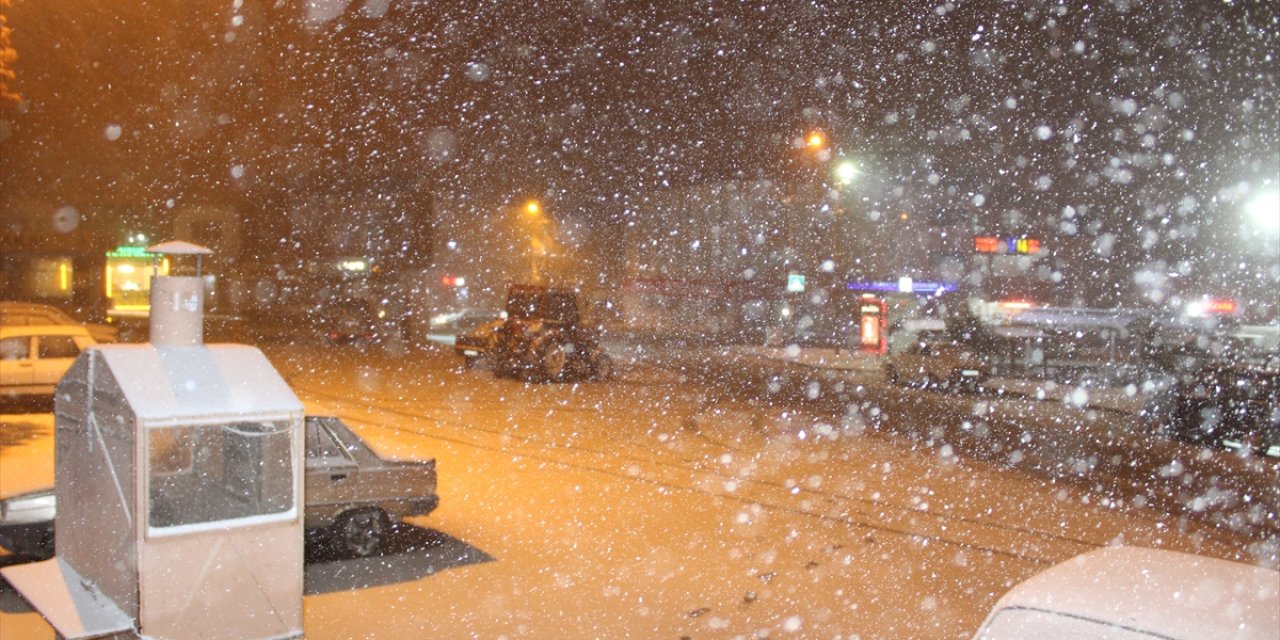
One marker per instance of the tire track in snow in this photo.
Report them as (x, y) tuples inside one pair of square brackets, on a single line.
[(1013, 541)]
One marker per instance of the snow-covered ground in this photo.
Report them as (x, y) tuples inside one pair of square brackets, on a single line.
[(654, 507)]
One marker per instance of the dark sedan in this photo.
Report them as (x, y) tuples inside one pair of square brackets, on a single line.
[(1227, 405)]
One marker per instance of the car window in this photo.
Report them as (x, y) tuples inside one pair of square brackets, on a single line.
[(15, 348), (322, 444), (57, 347), (563, 308), (522, 305)]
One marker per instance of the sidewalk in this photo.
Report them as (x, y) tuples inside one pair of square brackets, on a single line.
[(820, 358), (1126, 399)]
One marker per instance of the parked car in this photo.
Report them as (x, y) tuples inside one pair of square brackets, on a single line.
[(1230, 405), (475, 345), (353, 496), (1123, 593), (22, 314), (544, 338), (349, 323), (34, 358), (463, 320), (934, 361)]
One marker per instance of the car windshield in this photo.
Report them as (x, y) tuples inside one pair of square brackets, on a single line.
[(523, 305), (719, 319)]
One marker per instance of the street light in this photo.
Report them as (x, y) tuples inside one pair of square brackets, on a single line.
[(541, 242), (1264, 210), (846, 171)]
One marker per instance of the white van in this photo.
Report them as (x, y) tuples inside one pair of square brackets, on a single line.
[(1133, 593), (906, 332), (33, 358)]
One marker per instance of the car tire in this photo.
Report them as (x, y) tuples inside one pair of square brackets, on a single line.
[(602, 367), (361, 532), (891, 375), (553, 359), (502, 366)]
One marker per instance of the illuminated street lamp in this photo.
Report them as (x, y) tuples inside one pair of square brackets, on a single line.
[(1264, 211), (815, 140), (541, 242), (845, 172)]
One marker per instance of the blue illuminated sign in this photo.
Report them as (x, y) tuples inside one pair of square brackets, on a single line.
[(930, 288)]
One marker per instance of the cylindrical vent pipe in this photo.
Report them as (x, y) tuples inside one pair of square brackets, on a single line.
[(177, 311), (177, 302)]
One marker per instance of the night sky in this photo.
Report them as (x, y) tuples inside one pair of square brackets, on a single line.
[(1121, 133)]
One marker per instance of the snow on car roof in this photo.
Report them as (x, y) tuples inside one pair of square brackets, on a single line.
[(1177, 595), (197, 381), (45, 330)]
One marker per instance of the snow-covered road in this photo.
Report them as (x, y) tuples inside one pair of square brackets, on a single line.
[(653, 506)]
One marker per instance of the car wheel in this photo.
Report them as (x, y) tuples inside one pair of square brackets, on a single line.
[(553, 357), (602, 368), (469, 362), (502, 367), (891, 374), (362, 531)]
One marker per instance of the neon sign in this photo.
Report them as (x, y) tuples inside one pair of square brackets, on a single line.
[(930, 288), (1019, 246)]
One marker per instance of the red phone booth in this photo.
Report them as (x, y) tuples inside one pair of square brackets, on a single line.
[(871, 319)]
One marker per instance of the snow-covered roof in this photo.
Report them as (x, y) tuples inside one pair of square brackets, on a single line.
[(180, 248), (195, 382)]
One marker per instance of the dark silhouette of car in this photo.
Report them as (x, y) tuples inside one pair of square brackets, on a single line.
[(353, 496), (463, 320), (935, 362), (544, 338), (475, 345), (1222, 404), (352, 323)]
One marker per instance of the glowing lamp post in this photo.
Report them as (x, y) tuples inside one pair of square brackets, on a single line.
[(846, 172), (540, 240), (1264, 211)]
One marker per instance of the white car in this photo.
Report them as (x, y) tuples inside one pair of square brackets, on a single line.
[(18, 314), (1134, 593), (935, 362), (34, 358)]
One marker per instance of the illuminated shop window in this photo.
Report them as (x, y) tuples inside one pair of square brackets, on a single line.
[(50, 278)]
